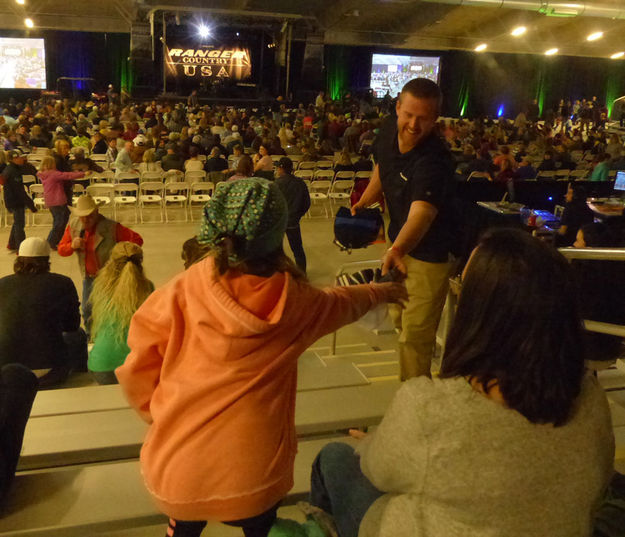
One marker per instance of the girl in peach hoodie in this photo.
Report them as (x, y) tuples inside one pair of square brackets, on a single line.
[(213, 365)]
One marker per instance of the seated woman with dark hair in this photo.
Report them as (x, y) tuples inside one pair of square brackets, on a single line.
[(576, 214), (513, 439)]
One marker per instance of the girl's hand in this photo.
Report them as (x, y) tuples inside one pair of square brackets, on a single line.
[(357, 434)]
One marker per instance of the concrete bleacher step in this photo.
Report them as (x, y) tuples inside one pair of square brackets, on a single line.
[(115, 435), (108, 497)]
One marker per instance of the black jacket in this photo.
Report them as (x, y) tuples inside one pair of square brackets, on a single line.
[(297, 197), (15, 196), (34, 312)]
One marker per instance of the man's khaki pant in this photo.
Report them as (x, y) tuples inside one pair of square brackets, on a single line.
[(427, 285)]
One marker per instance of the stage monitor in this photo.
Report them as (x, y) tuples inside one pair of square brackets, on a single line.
[(22, 63), (389, 72), (619, 184)]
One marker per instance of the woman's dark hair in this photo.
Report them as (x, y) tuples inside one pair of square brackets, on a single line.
[(245, 166), (31, 265), (600, 235), (579, 193), (193, 151), (518, 325)]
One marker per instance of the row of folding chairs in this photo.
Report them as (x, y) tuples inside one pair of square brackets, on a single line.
[(140, 198), (329, 192), (315, 175)]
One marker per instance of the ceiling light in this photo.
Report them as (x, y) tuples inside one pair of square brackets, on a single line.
[(519, 30), (551, 52), (617, 55), (595, 36), (21, 2), (481, 47), (203, 31), (29, 23)]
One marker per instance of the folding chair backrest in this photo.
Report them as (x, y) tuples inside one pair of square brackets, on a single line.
[(320, 186), (35, 189), (363, 174), (304, 174), (151, 176), (151, 186), (202, 186), (194, 176), (100, 190), (324, 164), (324, 175), (124, 188), (177, 187), (307, 165), (342, 185), (28, 179), (344, 176), (127, 175)]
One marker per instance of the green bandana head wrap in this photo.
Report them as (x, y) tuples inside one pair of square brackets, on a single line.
[(251, 211)]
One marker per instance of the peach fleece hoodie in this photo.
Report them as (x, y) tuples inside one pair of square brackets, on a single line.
[(213, 369)]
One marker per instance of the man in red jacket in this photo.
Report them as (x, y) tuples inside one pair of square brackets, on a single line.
[(92, 237)]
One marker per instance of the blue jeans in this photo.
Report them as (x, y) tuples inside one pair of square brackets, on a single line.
[(60, 216), (17, 234), (338, 486), (87, 285)]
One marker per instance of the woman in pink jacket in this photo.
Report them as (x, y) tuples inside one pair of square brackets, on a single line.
[(213, 365), (55, 198)]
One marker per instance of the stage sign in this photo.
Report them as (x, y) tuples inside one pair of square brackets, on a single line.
[(209, 63)]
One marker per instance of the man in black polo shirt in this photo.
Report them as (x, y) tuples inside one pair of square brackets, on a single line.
[(415, 171)]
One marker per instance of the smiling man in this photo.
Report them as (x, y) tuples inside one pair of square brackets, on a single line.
[(415, 171)]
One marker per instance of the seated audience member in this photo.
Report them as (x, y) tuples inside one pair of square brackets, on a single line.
[(83, 164), (525, 170), (179, 338), (81, 139), (263, 165), (111, 152), (192, 252), (602, 168), (237, 152), (344, 162), (193, 164), (512, 389), (481, 163), (215, 162), (363, 164), (504, 155), (506, 174), (149, 163), (123, 162), (55, 197), (548, 164), (575, 215), (118, 290), (244, 169), (99, 144), (275, 148), (18, 387), (37, 311), (172, 160)]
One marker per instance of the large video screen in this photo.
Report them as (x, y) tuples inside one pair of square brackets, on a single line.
[(389, 72), (22, 63)]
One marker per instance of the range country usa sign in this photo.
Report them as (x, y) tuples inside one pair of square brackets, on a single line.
[(209, 63)]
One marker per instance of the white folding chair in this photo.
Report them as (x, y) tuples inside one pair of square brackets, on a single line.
[(43, 151), (128, 177), (107, 176), (195, 176), (304, 174), (173, 175), (318, 190), (324, 175), (307, 165), (199, 194), (341, 190), (562, 175), (546, 176), (324, 165), (77, 191), (36, 193), (152, 177), (176, 192), (29, 180), (363, 174), (126, 196), (102, 194), (151, 195), (578, 175), (99, 158)]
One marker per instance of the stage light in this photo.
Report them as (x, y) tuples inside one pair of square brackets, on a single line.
[(238, 34), (551, 52), (20, 2), (29, 23), (617, 55), (519, 30), (595, 36), (481, 47), (500, 111), (203, 31)]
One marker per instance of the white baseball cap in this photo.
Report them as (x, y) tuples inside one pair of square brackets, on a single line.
[(34, 247)]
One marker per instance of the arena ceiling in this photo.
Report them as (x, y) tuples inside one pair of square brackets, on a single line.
[(410, 24)]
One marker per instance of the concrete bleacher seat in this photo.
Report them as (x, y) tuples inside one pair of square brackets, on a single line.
[(115, 435), (83, 501)]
